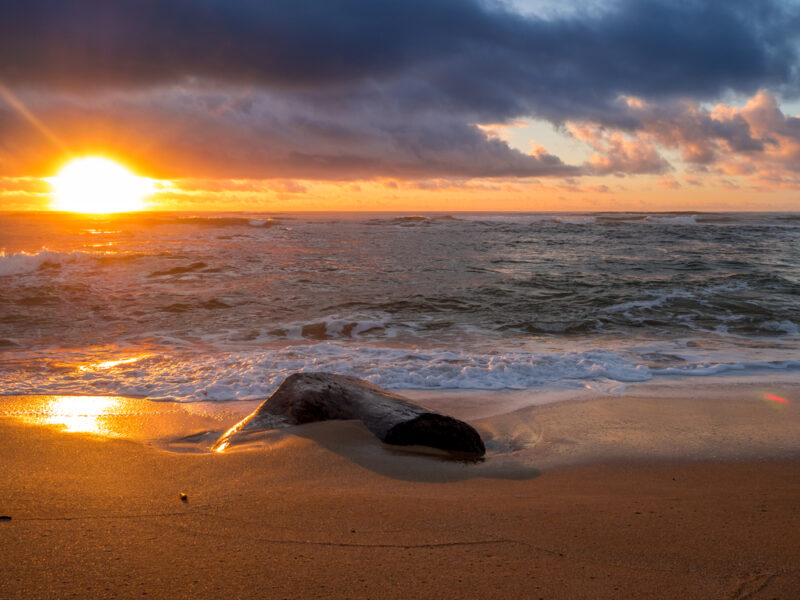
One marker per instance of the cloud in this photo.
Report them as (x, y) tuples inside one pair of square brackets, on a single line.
[(354, 89), (180, 132), (618, 152), (756, 140), (477, 55), (669, 183)]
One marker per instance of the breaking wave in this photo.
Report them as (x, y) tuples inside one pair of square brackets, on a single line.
[(669, 220), (256, 374), (228, 304), (23, 262)]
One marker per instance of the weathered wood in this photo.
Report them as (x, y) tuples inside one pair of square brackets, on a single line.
[(309, 397)]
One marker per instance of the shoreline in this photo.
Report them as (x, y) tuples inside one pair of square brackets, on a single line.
[(326, 510), (692, 418)]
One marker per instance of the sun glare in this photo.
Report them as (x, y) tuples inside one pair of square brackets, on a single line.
[(81, 414), (98, 185)]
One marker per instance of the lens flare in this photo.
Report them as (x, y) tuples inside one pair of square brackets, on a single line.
[(774, 398)]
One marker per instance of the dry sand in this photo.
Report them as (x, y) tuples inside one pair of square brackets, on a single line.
[(638, 496)]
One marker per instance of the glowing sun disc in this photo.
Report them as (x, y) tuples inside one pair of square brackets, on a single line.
[(94, 184)]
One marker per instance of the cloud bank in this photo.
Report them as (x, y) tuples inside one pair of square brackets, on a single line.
[(352, 89)]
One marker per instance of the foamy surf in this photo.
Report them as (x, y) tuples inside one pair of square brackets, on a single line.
[(250, 375), (222, 307), (19, 263)]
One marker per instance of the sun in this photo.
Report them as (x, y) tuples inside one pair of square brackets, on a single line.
[(94, 184)]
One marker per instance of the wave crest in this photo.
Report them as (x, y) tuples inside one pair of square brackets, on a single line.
[(19, 263)]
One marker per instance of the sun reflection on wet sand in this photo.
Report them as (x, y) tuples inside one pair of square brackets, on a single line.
[(192, 427), (106, 416), (81, 414)]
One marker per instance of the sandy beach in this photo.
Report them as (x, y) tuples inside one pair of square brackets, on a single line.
[(639, 496), (433, 299)]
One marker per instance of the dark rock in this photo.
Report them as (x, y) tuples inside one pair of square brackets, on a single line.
[(310, 397)]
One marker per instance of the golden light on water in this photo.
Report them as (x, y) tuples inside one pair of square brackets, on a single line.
[(95, 184), (108, 364), (99, 415)]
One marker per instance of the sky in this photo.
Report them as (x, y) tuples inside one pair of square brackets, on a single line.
[(415, 105)]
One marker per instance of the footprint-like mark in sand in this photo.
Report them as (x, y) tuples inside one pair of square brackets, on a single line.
[(751, 588), (510, 433)]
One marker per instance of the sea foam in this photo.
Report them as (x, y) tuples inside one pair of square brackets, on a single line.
[(256, 374), (226, 305), (19, 263)]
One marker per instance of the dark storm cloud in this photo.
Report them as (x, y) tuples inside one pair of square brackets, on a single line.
[(371, 87), (280, 42), (221, 133), (473, 55)]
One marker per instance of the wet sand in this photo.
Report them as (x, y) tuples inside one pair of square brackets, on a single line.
[(626, 496)]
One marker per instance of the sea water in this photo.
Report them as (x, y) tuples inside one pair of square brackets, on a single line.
[(221, 307)]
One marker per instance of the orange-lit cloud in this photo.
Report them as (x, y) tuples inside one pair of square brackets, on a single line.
[(275, 102), (756, 142), (617, 152)]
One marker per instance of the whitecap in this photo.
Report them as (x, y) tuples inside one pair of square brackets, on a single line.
[(225, 376), (22, 262), (529, 219), (668, 220), (784, 326)]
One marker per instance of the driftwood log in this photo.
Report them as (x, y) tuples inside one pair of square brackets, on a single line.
[(310, 397)]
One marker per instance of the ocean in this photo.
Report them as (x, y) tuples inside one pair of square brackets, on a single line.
[(220, 307)]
